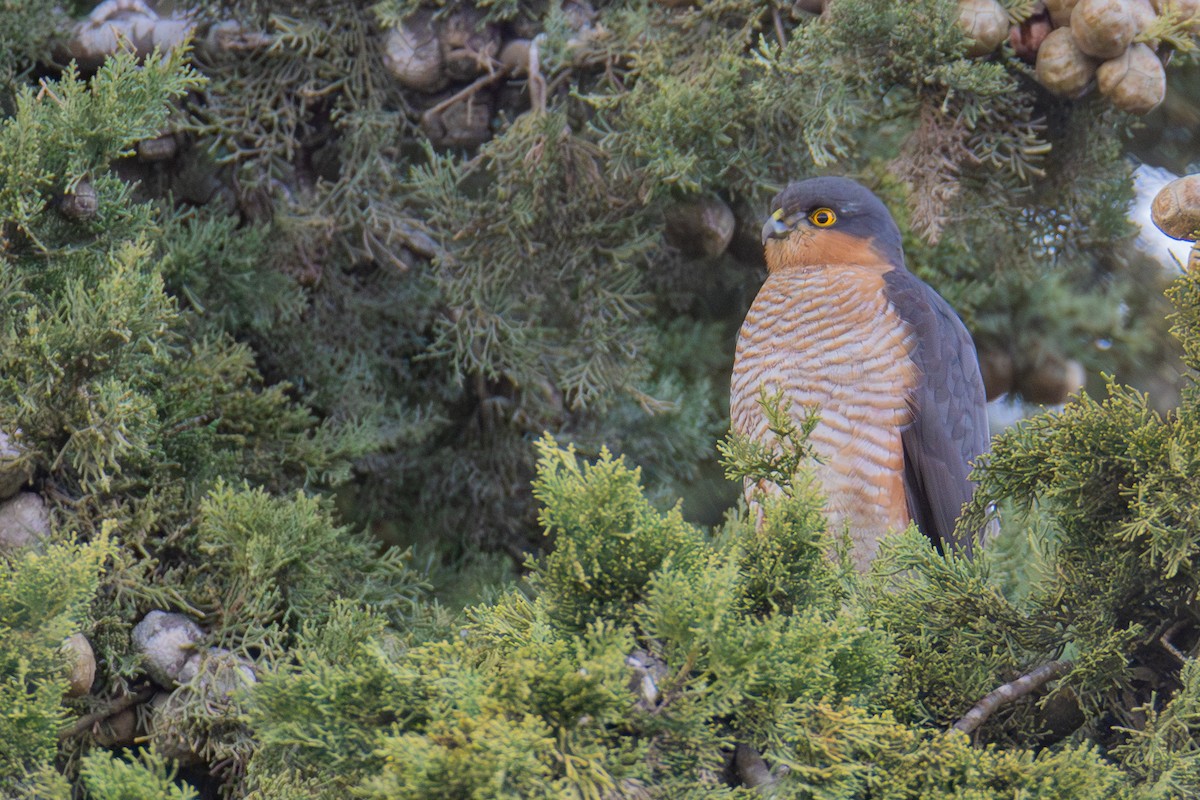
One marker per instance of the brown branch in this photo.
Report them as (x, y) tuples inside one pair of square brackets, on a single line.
[(1165, 641), (88, 720), (190, 424), (1022, 686), (468, 92)]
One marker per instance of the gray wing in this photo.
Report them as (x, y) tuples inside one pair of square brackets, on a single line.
[(950, 428)]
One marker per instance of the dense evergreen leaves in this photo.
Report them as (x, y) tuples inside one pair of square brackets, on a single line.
[(133, 419), (318, 309)]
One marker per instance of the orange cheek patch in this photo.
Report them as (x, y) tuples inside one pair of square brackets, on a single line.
[(815, 247)]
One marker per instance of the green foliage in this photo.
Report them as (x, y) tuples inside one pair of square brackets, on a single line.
[(477, 755), (302, 737), (69, 131), (516, 704), (780, 462), (784, 563), (87, 321), (282, 561), (1113, 477), (268, 566), (150, 777), (947, 766), (134, 418), (1162, 753), (692, 100), (525, 701), (959, 610), (44, 598), (609, 539), (1109, 482), (540, 271), (1185, 294), (208, 256), (399, 722), (668, 425), (309, 295), (917, 48), (26, 27)]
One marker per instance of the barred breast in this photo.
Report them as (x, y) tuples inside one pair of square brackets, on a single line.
[(828, 337)]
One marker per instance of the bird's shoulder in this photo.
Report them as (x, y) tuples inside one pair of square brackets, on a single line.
[(937, 327)]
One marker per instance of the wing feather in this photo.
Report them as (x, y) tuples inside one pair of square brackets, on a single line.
[(949, 428)]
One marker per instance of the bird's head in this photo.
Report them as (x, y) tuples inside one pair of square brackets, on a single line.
[(830, 221)]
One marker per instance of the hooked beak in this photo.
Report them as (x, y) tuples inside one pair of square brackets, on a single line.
[(775, 228)]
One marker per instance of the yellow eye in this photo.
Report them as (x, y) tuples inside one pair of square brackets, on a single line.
[(822, 217)]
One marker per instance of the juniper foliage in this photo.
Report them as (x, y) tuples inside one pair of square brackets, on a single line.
[(44, 598), (646, 685), (134, 418), (459, 300), (313, 296)]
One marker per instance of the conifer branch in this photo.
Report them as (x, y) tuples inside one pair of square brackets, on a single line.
[(1014, 690), (88, 720), (469, 91), (198, 421)]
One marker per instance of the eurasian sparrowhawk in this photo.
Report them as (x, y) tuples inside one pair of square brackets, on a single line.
[(842, 325)]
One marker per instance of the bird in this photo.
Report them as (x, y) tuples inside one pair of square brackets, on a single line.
[(840, 324)]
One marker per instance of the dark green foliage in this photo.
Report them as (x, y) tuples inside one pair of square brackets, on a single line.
[(210, 257), (1185, 293), (305, 132), (541, 273), (667, 427), (1113, 596)]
